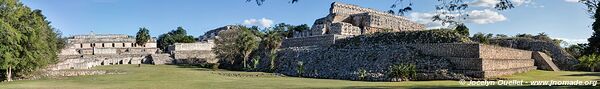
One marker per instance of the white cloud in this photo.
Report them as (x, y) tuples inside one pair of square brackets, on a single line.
[(572, 1), (485, 3), (259, 22), (521, 2), (573, 41), (484, 17), (475, 16), (492, 3)]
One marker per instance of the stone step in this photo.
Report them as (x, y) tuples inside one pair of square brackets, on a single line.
[(544, 61), (480, 64), (496, 73)]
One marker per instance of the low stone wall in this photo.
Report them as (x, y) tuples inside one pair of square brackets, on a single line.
[(88, 61), (194, 57), (57, 73)]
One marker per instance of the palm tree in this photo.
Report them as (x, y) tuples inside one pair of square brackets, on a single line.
[(590, 61)]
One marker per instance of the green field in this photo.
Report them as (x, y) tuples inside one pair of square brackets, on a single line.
[(177, 77)]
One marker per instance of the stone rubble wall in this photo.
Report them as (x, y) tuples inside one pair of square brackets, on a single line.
[(320, 40), (434, 61)]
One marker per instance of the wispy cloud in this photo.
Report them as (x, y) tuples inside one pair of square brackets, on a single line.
[(264, 22), (572, 1), (475, 16), (573, 41)]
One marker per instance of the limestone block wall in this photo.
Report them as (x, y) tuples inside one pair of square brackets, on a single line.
[(105, 51), (194, 57), (497, 52), (319, 40)]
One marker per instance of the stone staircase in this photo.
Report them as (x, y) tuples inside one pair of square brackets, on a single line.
[(544, 61), (494, 61), (161, 59)]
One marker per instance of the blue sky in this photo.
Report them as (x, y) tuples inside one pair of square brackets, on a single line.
[(558, 18)]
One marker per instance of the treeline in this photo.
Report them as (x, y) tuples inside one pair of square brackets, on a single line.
[(27, 41), (244, 48)]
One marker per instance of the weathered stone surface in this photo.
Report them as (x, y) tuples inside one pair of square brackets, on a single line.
[(434, 61), (86, 51), (346, 19), (563, 60), (543, 61)]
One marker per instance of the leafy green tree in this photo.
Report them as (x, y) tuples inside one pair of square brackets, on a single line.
[(247, 42), (234, 47), (273, 42), (27, 41), (594, 40), (142, 36), (178, 35), (576, 50), (482, 38), (462, 29), (589, 61)]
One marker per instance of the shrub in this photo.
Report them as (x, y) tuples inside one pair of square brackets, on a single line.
[(214, 66), (300, 68), (589, 61), (403, 71), (362, 73), (405, 37)]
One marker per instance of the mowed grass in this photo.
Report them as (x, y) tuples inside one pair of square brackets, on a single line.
[(176, 77)]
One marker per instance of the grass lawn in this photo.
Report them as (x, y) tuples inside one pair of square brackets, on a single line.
[(175, 77)]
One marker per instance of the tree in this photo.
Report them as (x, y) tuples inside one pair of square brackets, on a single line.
[(272, 42), (576, 50), (178, 35), (142, 36), (594, 40), (234, 47), (589, 61), (462, 29), (247, 42), (482, 38), (27, 41)]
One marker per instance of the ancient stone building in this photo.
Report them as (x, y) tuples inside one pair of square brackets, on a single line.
[(85, 51), (346, 19), (324, 51)]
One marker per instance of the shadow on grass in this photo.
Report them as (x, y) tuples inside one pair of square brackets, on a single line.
[(194, 67), (597, 74), (586, 74), (473, 87)]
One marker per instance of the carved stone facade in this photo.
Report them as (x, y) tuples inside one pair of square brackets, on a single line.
[(346, 19), (86, 51)]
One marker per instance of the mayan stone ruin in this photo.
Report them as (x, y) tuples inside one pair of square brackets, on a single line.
[(316, 50), (336, 47), (86, 51)]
